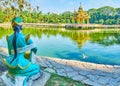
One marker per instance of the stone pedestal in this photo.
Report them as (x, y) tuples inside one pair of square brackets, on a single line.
[(8, 81), (5, 80)]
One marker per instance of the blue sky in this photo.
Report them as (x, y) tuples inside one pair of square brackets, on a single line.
[(59, 6)]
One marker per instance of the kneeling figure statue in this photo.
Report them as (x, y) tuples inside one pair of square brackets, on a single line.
[(19, 63)]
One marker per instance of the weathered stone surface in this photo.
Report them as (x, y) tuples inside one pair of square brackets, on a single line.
[(64, 62), (84, 72), (104, 74), (118, 84), (34, 77), (58, 66), (2, 82), (91, 82), (40, 62), (18, 81), (73, 63), (116, 66), (118, 79), (116, 70), (96, 72), (5, 80), (88, 73), (103, 80), (72, 74), (61, 72), (79, 78), (42, 80), (68, 68), (93, 77), (50, 70), (116, 75), (112, 82), (76, 69), (47, 62)]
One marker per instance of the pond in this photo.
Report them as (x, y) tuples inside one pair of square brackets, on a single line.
[(101, 46)]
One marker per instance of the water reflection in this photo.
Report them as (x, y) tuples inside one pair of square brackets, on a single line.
[(105, 37), (98, 46)]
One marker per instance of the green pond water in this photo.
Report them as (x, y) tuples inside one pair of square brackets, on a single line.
[(101, 46)]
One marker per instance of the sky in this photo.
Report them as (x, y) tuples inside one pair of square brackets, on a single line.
[(59, 6)]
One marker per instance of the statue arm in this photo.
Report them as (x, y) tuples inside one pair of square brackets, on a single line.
[(29, 41)]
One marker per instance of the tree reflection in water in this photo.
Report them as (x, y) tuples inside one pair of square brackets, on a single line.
[(104, 37)]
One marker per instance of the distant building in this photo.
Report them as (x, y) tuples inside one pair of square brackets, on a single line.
[(81, 16)]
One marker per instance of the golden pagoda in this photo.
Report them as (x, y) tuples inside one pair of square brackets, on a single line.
[(81, 16)]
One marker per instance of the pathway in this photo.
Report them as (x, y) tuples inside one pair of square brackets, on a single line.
[(87, 73)]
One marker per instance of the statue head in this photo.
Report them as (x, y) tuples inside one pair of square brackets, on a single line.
[(17, 23)]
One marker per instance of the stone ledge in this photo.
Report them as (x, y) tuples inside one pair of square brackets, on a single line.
[(87, 73), (79, 64)]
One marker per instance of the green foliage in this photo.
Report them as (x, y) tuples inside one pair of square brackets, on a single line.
[(103, 15), (56, 80), (12, 8)]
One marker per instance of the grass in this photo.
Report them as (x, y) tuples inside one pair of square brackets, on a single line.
[(56, 80)]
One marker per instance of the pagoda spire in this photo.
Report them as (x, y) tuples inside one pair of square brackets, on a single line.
[(80, 8), (80, 5)]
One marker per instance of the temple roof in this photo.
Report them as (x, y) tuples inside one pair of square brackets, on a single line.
[(81, 15)]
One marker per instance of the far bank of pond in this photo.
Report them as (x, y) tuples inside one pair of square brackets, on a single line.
[(68, 26)]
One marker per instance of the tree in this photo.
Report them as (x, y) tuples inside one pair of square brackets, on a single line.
[(104, 15), (67, 16), (101, 21), (14, 7)]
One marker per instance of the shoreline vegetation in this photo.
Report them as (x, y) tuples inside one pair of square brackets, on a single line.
[(105, 15), (67, 26), (62, 81)]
